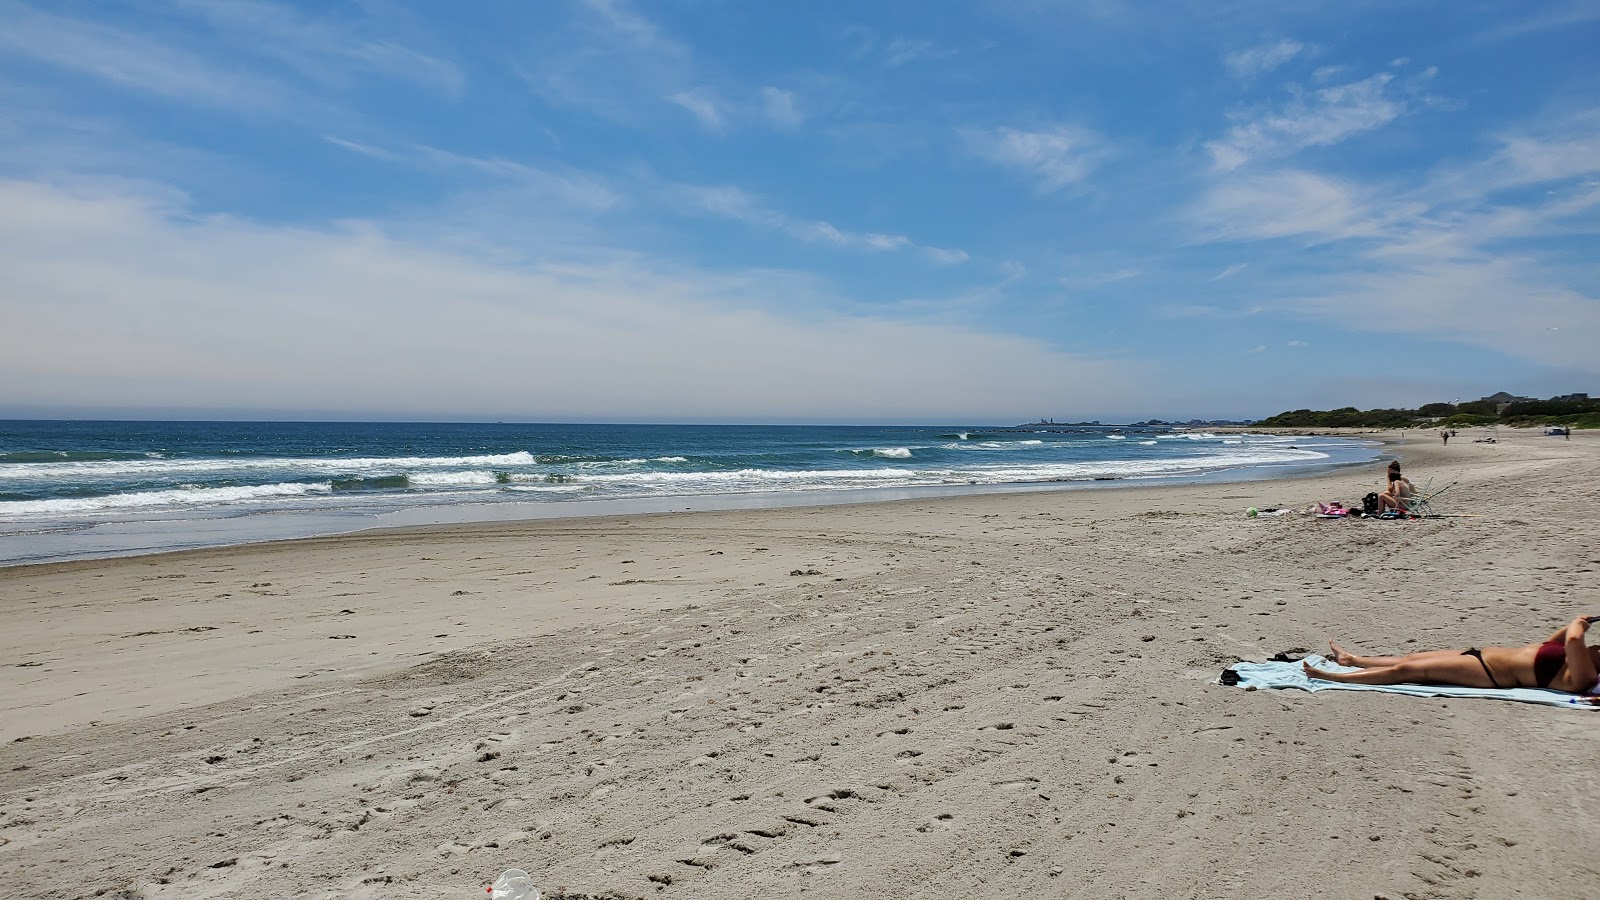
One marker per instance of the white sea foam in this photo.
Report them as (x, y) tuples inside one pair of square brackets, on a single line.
[(1116, 437), (893, 452), (449, 479), (180, 497), (154, 468), (754, 479), (1147, 443), (550, 488), (995, 445)]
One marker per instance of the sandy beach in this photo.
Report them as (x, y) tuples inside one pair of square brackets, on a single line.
[(989, 696)]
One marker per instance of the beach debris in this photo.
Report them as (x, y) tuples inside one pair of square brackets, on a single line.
[(513, 884)]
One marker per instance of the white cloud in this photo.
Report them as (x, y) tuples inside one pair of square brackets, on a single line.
[(905, 51), (1230, 271), (1505, 305), (946, 257), (1097, 279), (1261, 59), (1287, 203), (778, 105), (1449, 258), (1056, 157), (114, 299), (1540, 17), (1319, 118), (607, 61), (320, 49), (572, 190), (363, 149), (728, 202), (134, 61), (702, 104)]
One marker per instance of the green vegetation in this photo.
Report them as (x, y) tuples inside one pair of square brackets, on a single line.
[(1569, 411)]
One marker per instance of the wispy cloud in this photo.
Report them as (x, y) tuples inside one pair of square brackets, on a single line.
[(363, 149), (1055, 157), (1527, 20), (701, 104), (946, 257), (1090, 280), (863, 44), (1447, 257), (741, 206), (1262, 58), (1310, 119), (1286, 203), (635, 27), (779, 108), (1230, 271), (320, 49), (905, 51), (133, 61), (571, 189), (607, 60)]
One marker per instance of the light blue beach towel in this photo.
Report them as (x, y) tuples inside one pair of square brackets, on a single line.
[(1291, 675)]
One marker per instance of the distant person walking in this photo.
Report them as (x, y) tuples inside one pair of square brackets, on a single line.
[(1446, 435)]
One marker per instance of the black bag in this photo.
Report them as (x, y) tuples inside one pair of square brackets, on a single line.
[(1370, 504)]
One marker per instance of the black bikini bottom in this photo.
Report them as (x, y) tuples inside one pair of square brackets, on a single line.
[(1478, 654)]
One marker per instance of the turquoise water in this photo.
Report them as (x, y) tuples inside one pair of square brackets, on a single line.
[(72, 489)]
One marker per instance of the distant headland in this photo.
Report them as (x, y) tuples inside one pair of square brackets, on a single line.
[(1577, 410)]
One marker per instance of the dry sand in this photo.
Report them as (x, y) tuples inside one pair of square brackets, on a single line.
[(990, 696)]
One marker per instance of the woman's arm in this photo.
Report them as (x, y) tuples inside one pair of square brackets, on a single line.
[(1580, 665)]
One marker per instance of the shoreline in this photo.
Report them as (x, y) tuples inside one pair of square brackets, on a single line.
[(173, 534), (985, 695)]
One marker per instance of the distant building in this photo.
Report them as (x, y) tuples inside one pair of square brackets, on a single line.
[(1571, 398), (1501, 400)]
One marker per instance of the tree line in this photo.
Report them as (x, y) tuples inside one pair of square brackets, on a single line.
[(1576, 413)]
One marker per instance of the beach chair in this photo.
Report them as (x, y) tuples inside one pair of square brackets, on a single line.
[(1420, 503)]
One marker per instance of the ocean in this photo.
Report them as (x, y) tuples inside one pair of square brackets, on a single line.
[(71, 490)]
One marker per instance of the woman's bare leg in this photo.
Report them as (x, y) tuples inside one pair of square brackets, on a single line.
[(1345, 658), (1464, 671)]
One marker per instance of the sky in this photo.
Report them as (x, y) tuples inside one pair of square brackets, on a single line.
[(710, 210)]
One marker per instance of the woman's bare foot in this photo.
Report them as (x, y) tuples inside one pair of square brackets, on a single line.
[(1341, 657), (1315, 672)]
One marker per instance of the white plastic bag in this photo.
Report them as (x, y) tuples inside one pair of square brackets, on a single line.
[(513, 884)]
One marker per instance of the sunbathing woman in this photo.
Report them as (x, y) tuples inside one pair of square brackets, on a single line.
[(1562, 663)]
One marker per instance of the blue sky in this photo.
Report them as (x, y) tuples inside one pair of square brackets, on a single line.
[(706, 210)]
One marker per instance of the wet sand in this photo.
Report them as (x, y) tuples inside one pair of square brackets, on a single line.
[(985, 696)]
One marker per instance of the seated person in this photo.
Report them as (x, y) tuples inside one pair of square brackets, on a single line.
[(1398, 489), (1562, 663)]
